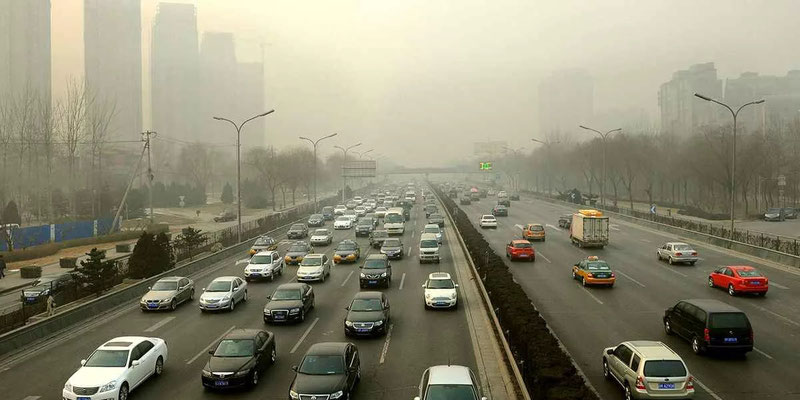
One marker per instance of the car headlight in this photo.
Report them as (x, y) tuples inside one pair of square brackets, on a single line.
[(267, 311), (68, 387), (384, 275), (207, 374), (242, 372), (287, 258), (293, 394), (348, 323), (379, 322), (227, 297), (427, 296), (294, 311), (363, 275), (453, 295), (108, 386), (166, 300), (337, 395)]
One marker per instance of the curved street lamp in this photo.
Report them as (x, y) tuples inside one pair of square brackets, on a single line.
[(604, 136), (315, 143), (344, 162)]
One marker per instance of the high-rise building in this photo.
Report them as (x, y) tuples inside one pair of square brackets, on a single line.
[(174, 72), (781, 95), (113, 61), (681, 112), (218, 71), (25, 48), (566, 100), (250, 101)]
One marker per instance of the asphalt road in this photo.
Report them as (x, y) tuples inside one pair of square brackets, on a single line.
[(590, 319), (391, 365)]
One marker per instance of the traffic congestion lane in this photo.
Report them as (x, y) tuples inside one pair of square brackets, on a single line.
[(643, 292), (189, 333)]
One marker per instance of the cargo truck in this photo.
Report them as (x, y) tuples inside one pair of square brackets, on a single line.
[(589, 228)]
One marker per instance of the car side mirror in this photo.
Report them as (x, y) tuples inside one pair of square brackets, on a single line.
[(456, 285), (484, 398), (424, 286), (610, 352), (204, 289), (269, 297), (149, 288), (294, 368), (347, 308), (135, 363), (417, 398), (387, 307), (83, 362), (211, 352)]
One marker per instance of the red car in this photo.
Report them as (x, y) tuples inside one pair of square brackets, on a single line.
[(520, 250), (739, 279)]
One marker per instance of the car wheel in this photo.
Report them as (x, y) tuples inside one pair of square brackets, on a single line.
[(322, 277), (762, 294), (692, 262), (302, 314), (628, 395), (606, 372), (123, 391), (670, 260), (273, 355), (247, 279), (658, 255), (573, 275), (731, 290), (191, 295), (254, 378), (583, 281), (667, 327), (173, 305), (696, 347), (710, 282), (159, 367)]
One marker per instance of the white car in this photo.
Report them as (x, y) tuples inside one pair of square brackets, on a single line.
[(488, 221), (115, 368), (360, 211), (339, 209), (434, 229), (502, 193), (380, 212), (677, 252), (358, 200), (440, 291), (264, 264), (449, 381), (314, 267), (223, 293), (343, 222), (352, 214), (321, 237)]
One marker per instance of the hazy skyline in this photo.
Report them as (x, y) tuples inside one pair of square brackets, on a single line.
[(398, 74)]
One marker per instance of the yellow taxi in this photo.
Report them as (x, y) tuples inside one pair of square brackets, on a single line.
[(593, 271), (263, 243), (533, 232)]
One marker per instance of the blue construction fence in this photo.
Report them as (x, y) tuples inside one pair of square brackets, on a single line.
[(30, 236)]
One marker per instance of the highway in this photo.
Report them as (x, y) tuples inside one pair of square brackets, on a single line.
[(590, 319), (391, 365)]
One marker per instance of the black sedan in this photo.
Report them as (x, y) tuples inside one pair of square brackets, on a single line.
[(297, 231), (239, 359), (392, 248), (316, 220), (500, 211), (290, 302), (46, 286), (565, 221), (367, 315), (328, 369), (376, 271)]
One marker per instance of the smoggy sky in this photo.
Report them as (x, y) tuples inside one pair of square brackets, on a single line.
[(420, 80)]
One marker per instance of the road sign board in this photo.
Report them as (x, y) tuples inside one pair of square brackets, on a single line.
[(653, 209), (359, 169), (485, 166)]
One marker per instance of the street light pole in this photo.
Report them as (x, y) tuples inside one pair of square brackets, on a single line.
[(604, 136), (314, 143), (547, 145), (344, 162), (239, 166), (514, 178), (735, 114)]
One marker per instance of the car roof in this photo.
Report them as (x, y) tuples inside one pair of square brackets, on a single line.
[(534, 224), (674, 243), (124, 342), (225, 279), (449, 374), (313, 255), (740, 267), (323, 230), (293, 285), (242, 333), (377, 257), (432, 226), (439, 275), (428, 236), (327, 349), (515, 241), (712, 305), (264, 252), (488, 216), (368, 295), (170, 279), (654, 349)]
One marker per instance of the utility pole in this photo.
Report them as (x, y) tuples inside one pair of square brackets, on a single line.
[(604, 136), (344, 163), (146, 139), (314, 143)]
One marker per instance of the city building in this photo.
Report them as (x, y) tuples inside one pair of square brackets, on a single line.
[(681, 112), (566, 100), (25, 60), (175, 72), (781, 95), (250, 101), (113, 61), (218, 71)]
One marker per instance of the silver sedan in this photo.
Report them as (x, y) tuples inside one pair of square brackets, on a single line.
[(677, 252), (167, 293)]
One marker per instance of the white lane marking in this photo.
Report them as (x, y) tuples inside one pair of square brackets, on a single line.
[(408, 253), (593, 296), (762, 353), (32, 398), (545, 258), (781, 317), (386, 344), (159, 324), (702, 385), (242, 261), (674, 272), (402, 280), (614, 227), (518, 226), (348, 278), (553, 227), (300, 341), (205, 350), (413, 233), (773, 283), (629, 277)]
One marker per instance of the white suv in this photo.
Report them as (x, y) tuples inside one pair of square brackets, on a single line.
[(440, 291), (488, 221), (429, 248), (339, 209), (648, 370), (449, 382), (264, 264)]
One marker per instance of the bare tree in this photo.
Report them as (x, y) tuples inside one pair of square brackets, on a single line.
[(100, 111), (46, 124), (265, 163), (73, 129), (6, 135)]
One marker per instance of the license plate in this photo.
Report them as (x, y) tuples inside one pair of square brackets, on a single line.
[(362, 330), (755, 283), (280, 317), (211, 306), (30, 298), (731, 340), (83, 398), (372, 282), (440, 304), (666, 386), (221, 383), (152, 305), (523, 255)]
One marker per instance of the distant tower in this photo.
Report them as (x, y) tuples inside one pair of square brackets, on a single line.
[(25, 59)]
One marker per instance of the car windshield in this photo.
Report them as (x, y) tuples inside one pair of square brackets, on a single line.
[(450, 392), (322, 365), (366, 305), (296, 227), (436, 216), (682, 247), (311, 262), (261, 259), (321, 232), (297, 248), (749, 273), (728, 320), (597, 266), (219, 286), (235, 348), (263, 242), (108, 358), (425, 244), (315, 216), (375, 264), (346, 246), (664, 368), (287, 294), (45, 280), (440, 284), (365, 222), (392, 243), (488, 218), (380, 209), (522, 245), (165, 286), (342, 219), (536, 228), (774, 211), (393, 218), (432, 229)]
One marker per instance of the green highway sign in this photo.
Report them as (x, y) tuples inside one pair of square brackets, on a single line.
[(486, 166)]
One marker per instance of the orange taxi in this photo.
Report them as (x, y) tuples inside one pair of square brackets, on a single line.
[(593, 271), (533, 232)]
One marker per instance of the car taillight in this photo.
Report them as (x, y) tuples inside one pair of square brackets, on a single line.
[(694, 254), (613, 275), (678, 254), (590, 275), (690, 383), (639, 383), (706, 335)]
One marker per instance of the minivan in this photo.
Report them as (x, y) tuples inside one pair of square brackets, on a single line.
[(429, 248), (648, 370), (710, 325)]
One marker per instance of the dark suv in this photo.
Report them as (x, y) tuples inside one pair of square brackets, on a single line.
[(297, 231), (328, 369), (367, 315), (376, 271), (327, 213), (710, 325)]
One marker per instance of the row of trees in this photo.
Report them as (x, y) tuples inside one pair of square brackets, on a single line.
[(690, 172)]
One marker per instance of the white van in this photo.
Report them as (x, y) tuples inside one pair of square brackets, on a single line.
[(394, 222), (429, 248)]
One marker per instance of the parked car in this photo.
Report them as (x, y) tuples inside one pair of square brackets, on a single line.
[(314, 267), (116, 368), (223, 293), (534, 232), (264, 265), (225, 216), (316, 220), (392, 248), (739, 279), (449, 382), (289, 302), (321, 237), (263, 243), (297, 231), (593, 271), (648, 370), (774, 214), (377, 237), (376, 271), (327, 369), (47, 285), (790, 212), (346, 251), (167, 293), (500, 211), (328, 213), (710, 325), (367, 315), (239, 359), (440, 291), (677, 252), (488, 221), (296, 252), (565, 221), (520, 249)]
